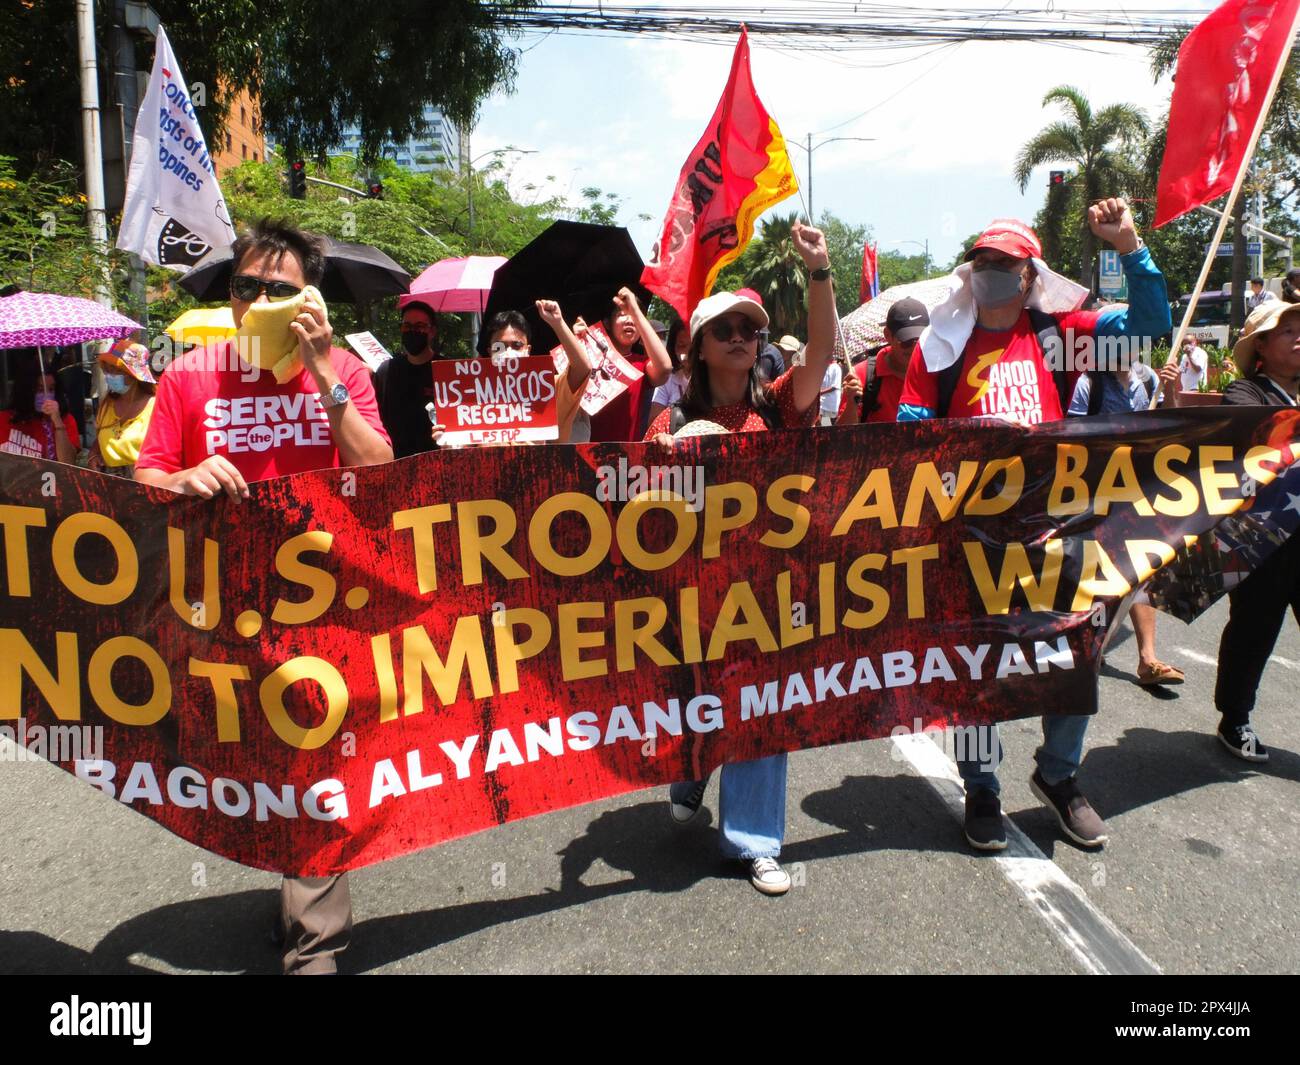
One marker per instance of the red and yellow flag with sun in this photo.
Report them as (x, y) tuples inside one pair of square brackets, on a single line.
[(738, 170)]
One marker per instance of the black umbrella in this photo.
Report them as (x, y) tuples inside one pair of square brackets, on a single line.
[(578, 264), (354, 273)]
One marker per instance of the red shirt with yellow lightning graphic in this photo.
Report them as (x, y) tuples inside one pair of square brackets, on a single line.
[(1003, 374)]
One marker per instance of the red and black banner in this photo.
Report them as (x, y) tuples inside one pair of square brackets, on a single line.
[(354, 664)]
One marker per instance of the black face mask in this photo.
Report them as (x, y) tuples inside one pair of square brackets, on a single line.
[(415, 343)]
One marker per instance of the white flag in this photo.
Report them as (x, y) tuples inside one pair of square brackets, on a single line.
[(174, 209)]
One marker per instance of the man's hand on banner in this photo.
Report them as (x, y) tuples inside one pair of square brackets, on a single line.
[(214, 474), (314, 332), (1112, 221), (810, 243)]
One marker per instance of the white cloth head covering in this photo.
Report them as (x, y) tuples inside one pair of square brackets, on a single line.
[(953, 321)]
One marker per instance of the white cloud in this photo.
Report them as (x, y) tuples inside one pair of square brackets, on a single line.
[(622, 113)]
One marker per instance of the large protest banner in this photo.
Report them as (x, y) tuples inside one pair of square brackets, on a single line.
[(355, 664)]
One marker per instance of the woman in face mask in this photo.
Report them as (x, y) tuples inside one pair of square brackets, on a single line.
[(125, 412), (404, 384), (36, 423)]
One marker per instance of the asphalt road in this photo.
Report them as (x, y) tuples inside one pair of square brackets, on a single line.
[(1199, 875)]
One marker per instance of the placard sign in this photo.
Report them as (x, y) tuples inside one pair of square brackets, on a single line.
[(508, 401)]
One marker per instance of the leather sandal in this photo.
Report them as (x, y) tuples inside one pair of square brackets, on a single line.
[(1159, 673)]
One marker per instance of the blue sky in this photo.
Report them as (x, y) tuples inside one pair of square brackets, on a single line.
[(622, 113)]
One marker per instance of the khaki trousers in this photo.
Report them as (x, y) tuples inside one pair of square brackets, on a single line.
[(316, 916)]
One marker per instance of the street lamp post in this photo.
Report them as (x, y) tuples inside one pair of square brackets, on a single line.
[(926, 246), (810, 148)]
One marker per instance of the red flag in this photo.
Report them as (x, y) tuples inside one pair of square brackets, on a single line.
[(870, 287), (738, 169), (1225, 68)]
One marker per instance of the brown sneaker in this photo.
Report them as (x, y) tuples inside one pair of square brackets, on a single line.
[(1078, 819)]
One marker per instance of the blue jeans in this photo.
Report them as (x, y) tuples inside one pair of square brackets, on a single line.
[(1058, 758), (751, 817)]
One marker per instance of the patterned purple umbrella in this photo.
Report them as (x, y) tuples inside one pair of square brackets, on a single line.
[(42, 319)]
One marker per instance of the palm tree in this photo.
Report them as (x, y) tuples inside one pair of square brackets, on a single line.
[(775, 272), (1096, 145)]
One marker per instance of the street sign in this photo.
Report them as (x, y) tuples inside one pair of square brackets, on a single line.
[(1111, 282), (1254, 248)]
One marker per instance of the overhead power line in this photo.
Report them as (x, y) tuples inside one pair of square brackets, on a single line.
[(856, 25)]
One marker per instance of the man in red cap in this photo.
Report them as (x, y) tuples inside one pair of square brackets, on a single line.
[(995, 348)]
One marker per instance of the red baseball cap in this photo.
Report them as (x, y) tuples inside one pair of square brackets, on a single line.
[(1011, 237), (749, 294)]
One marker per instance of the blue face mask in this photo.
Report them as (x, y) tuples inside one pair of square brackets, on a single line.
[(116, 382)]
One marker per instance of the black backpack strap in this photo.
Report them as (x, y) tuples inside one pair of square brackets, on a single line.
[(948, 378), (1048, 331), (1094, 392), (871, 392)]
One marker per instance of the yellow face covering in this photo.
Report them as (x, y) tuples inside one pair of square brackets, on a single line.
[(265, 340)]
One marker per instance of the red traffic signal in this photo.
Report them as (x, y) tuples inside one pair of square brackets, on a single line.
[(375, 190), (1056, 177), (298, 180)]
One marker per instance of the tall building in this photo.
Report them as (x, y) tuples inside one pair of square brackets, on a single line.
[(243, 138), (438, 149)]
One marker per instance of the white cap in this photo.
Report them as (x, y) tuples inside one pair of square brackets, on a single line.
[(721, 303)]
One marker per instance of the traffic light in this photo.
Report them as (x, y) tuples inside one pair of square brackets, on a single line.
[(375, 190), (298, 180), (1055, 178)]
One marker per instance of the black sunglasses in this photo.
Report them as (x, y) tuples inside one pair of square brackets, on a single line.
[(246, 287), (723, 330)]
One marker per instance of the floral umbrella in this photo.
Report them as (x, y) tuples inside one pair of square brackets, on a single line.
[(863, 329), (42, 319)]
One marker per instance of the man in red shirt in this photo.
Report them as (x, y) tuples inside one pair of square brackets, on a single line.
[(880, 377), (984, 355), (219, 423)]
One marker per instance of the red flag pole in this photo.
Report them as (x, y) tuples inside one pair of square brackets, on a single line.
[(1232, 197)]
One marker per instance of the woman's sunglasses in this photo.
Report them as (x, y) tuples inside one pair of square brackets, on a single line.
[(722, 330), (246, 287)]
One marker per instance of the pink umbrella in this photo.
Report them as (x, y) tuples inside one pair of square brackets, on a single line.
[(455, 284), (42, 319)]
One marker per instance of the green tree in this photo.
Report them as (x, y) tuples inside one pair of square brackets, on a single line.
[(844, 241), (772, 268), (44, 242), (316, 66), (423, 217), (899, 269), (1098, 146)]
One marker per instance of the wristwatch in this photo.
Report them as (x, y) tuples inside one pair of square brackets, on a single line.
[(339, 395), (822, 273)]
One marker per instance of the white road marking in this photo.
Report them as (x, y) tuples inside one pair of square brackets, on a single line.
[(1206, 660), (1094, 940)]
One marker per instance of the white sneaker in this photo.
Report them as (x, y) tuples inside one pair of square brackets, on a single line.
[(767, 875)]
